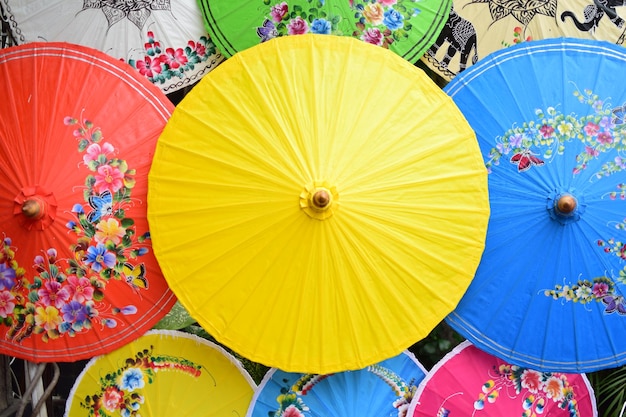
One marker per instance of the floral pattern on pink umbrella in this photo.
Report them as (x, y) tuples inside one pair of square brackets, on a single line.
[(470, 382)]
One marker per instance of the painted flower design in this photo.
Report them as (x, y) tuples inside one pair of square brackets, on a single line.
[(108, 178), (7, 303), (321, 27), (600, 289), (65, 295), (149, 67), (162, 64), (373, 36), (518, 37), (554, 388), (292, 401), (132, 379), (374, 13), (533, 388), (120, 391), (75, 315), (112, 398), (393, 19), (601, 130), (297, 26), (99, 258), (96, 151), (7, 277), (548, 135), (379, 22), (279, 11), (292, 411), (47, 318), (546, 131), (530, 380), (174, 58), (109, 230), (53, 293)]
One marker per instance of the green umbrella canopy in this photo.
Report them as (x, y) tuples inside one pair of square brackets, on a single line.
[(406, 27)]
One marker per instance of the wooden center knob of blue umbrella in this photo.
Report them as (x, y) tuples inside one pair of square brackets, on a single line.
[(320, 199), (566, 204)]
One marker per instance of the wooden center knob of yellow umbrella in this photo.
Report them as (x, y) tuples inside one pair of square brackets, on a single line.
[(566, 204), (33, 208), (319, 200)]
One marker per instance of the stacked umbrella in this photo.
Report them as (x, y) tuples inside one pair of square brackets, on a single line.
[(471, 382), (78, 130), (71, 292), (321, 221), (79, 277), (320, 211), (548, 293), (162, 39), (162, 373), (477, 28)]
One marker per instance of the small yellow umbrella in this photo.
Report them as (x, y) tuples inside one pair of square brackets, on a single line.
[(162, 373), (317, 203)]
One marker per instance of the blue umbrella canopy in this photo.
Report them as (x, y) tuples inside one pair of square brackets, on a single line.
[(382, 389), (550, 118)]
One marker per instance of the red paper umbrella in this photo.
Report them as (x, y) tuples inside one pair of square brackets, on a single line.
[(77, 133)]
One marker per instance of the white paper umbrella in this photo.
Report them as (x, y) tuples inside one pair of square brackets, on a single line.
[(165, 40)]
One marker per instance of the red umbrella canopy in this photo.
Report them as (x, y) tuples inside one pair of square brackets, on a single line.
[(77, 133)]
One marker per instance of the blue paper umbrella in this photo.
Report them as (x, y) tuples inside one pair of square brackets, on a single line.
[(383, 389), (550, 118)]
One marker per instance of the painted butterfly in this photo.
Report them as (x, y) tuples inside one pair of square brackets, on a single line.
[(267, 31), (614, 304), (135, 275), (102, 205), (525, 159), (619, 115)]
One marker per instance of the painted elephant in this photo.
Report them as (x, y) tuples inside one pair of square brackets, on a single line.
[(460, 35), (593, 14)]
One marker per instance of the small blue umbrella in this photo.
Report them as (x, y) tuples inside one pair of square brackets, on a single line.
[(383, 389), (550, 118)]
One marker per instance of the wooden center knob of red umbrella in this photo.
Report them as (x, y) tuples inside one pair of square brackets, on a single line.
[(320, 199), (34, 208), (566, 204)]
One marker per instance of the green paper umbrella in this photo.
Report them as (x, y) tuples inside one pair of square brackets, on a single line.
[(177, 318), (406, 27)]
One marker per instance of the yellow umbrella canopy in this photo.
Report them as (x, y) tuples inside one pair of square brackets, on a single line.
[(162, 373), (317, 203)]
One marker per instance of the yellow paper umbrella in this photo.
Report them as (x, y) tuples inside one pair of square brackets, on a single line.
[(317, 203), (162, 373)]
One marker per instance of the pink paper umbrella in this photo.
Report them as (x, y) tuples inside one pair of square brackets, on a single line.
[(468, 382)]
